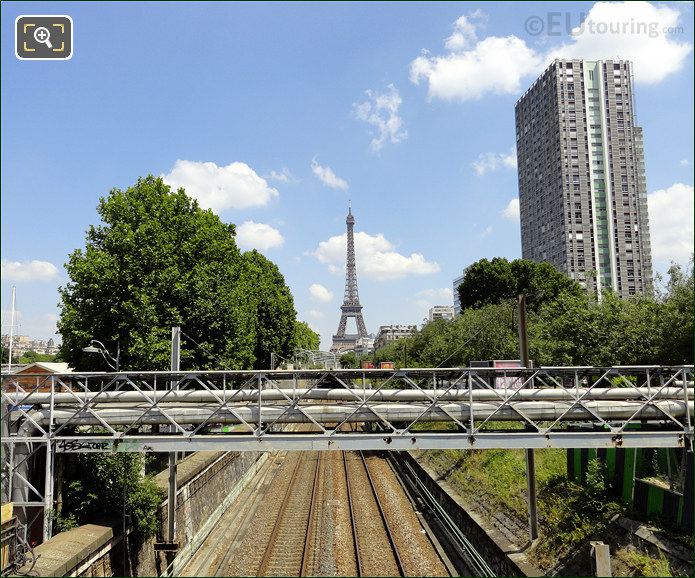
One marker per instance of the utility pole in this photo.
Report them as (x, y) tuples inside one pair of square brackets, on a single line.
[(171, 503), (9, 352), (531, 496)]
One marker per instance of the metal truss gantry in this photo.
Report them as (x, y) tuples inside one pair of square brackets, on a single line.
[(371, 409)]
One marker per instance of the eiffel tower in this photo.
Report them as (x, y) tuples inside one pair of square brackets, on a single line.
[(351, 303)]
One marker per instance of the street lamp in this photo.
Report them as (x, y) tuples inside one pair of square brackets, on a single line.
[(108, 358)]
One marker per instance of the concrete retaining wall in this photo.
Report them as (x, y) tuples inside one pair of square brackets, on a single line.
[(84, 551), (207, 481)]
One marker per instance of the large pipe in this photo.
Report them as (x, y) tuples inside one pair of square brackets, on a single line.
[(342, 394), (399, 412)]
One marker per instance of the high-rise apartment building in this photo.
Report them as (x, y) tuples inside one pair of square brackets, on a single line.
[(455, 289), (582, 187), (445, 312)]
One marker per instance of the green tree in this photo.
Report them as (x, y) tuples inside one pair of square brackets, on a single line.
[(491, 282), (477, 334), (305, 337), (675, 327), (33, 357), (158, 260), (109, 484), (349, 360), (6, 356), (272, 309)]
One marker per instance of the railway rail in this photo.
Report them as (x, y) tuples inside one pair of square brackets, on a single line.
[(363, 538), (286, 554), (314, 514)]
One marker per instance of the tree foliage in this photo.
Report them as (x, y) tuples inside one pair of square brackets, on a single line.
[(108, 485), (499, 280), (33, 357), (158, 260), (676, 316), (272, 308), (305, 337), (349, 360), (573, 328)]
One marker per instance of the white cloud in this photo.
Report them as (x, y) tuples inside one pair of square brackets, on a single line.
[(259, 236), (511, 211), (376, 257), (486, 232), (235, 186), (443, 293), (684, 163), (471, 67), (490, 162), (381, 111), (464, 34), (284, 176), (328, 177), (320, 293), (28, 270), (315, 314), (671, 223), (642, 32)]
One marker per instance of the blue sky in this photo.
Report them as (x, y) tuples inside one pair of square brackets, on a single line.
[(405, 109)]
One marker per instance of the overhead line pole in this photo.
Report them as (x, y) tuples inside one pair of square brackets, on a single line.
[(171, 495), (531, 494)]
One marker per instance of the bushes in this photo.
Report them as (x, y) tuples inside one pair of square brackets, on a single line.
[(574, 513), (107, 485)]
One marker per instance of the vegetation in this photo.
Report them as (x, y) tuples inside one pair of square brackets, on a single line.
[(642, 564), (568, 513), (497, 281), (570, 329), (109, 484), (271, 308), (349, 360), (305, 337), (34, 357), (158, 260), (573, 513), (566, 327)]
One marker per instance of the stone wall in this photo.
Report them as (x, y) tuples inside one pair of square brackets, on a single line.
[(207, 483)]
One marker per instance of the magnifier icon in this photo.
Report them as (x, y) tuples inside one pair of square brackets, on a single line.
[(43, 36)]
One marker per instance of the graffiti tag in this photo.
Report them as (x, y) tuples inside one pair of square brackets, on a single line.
[(79, 445)]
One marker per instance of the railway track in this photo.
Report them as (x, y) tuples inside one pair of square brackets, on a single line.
[(214, 560), (375, 547), (320, 514), (286, 554)]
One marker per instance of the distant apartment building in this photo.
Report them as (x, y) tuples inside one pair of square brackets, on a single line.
[(364, 346), (445, 312), (23, 343), (390, 333), (457, 299), (582, 186)]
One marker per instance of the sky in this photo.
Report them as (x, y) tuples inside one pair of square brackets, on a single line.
[(277, 115)]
